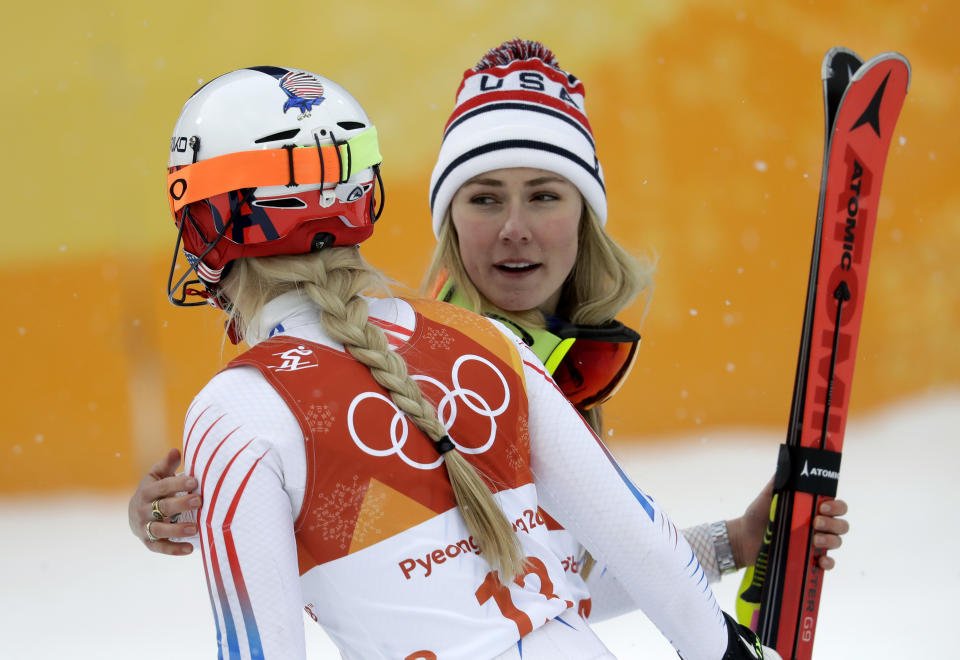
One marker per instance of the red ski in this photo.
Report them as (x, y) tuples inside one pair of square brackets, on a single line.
[(862, 104)]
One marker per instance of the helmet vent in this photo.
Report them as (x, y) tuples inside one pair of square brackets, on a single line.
[(282, 135), (284, 203), (350, 125)]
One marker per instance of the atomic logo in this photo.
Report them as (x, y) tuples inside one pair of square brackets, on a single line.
[(447, 409), (819, 473)]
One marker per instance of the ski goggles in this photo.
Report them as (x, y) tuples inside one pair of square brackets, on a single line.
[(588, 363), (288, 166)]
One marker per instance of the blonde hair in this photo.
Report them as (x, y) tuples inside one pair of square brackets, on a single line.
[(604, 280), (334, 278)]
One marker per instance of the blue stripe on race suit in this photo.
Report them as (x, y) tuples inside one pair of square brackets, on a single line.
[(233, 641), (564, 622), (696, 568), (643, 499), (216, 621)]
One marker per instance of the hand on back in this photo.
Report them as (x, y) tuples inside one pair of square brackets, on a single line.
[(171, 495)]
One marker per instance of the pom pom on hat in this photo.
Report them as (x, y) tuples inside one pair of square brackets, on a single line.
[(517, 108), (517, 49)]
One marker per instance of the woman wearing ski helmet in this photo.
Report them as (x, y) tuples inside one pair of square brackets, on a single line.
[(263, 195), (339, 458)]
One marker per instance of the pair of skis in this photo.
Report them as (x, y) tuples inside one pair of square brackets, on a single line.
[(780, 596)]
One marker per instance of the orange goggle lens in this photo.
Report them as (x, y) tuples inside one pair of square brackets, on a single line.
[(594, 368)]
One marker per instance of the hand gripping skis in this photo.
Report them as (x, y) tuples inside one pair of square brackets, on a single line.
[(780, 597)]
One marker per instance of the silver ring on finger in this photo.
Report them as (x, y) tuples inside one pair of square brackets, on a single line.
[(155, 510), (150, 537)]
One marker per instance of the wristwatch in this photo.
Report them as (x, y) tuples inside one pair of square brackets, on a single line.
[(722, 548)]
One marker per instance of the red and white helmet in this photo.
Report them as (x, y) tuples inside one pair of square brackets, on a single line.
[(269, 161)]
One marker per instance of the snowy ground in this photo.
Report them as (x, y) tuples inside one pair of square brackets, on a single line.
[(75, 584)]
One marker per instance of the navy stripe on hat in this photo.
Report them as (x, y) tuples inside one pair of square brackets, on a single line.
[(506, 105), (515, 144)]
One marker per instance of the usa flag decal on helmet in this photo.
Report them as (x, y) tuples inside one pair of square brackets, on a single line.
[(304, 91)]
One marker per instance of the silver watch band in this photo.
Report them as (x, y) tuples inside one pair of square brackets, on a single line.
[(722, 548)]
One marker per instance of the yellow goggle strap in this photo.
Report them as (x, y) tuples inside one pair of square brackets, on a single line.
[(556, 355), (287, 166)]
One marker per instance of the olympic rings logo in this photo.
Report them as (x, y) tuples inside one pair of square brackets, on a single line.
[(446, 411)]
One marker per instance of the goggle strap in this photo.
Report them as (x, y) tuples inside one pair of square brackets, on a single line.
[(613, 331), (286, 166), (442, 288), (375, 213), (556, 356)]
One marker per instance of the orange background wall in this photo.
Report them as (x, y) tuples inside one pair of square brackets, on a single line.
[(708, 117)]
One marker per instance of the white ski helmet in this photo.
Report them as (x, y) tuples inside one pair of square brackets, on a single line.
[(268, 161)]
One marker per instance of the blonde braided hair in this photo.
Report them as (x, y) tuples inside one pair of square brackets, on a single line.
[(334, 278)]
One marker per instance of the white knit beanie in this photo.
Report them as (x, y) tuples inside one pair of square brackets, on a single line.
[(517, 108)]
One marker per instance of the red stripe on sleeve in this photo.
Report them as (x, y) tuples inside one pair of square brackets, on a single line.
[(193, 460), (540, 370), (237, 573), (186, 444), (391, 327), (208, 524)]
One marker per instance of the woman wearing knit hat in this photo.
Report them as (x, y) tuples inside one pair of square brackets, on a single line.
[(518, 155), (519, 209)]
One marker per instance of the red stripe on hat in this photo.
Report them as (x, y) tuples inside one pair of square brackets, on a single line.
[(539, 65), (519, 95)]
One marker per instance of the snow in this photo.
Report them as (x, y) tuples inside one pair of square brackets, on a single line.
[(71, 557)]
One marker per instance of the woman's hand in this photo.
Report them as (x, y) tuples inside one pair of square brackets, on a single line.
[(161, 486), (746, 532)]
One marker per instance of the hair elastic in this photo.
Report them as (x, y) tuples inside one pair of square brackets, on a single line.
[(444, 444)]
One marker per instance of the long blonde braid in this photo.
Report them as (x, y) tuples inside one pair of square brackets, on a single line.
[(334, 278)]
